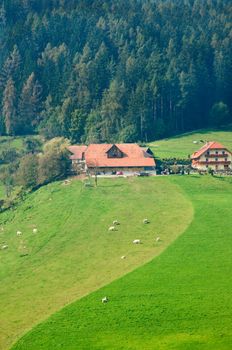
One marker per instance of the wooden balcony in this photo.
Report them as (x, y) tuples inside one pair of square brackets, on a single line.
[(214, 162), (213, 155)]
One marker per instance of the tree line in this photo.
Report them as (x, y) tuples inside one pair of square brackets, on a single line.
[(32, 166), (101, 71)]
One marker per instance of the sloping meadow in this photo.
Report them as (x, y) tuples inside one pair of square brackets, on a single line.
[(180, 300), (60, 247)]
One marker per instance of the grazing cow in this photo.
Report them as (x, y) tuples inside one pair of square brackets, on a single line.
[(116, 222), (158, 239), (35, 230), (145, 221), (112, 228), (4, 246), (123, 257), (137, 241), (105, 300), (19, 233)]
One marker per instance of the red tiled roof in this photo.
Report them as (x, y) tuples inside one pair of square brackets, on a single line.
[(96, 155), (77, 151), (208, 146)]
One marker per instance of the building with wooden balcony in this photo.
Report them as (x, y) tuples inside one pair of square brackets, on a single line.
[(212, 155)]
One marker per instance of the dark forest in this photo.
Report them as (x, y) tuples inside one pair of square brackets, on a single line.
[(107, 71)]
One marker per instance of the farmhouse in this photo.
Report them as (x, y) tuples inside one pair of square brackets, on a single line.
[(113, 158), (212, 155)]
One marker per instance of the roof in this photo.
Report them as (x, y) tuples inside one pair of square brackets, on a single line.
[(77, 151), (147, 152), (96, 155), (208, 146)]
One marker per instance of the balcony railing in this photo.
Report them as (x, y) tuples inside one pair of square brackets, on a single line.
[(216, 155), (215, 162)]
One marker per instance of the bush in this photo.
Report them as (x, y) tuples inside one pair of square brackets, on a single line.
[(9, 155), (27, 175), (54, 163)]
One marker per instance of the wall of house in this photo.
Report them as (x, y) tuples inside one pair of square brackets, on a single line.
[(116, 169), (215, 160), (78, 166), (220, 167)]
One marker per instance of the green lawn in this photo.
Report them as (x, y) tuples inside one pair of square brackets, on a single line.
[(180, 300), (11, 142), (181, 146), (73, 252), (2, 193)]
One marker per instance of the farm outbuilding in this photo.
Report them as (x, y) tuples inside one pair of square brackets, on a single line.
[(113, 158)]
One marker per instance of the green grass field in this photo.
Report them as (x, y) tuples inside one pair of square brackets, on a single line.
[(180, 300), (182, 146), (2, 193), (73, 252), (11, 142)]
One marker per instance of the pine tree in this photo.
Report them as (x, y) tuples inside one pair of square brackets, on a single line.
[(76, 131), (11, 67), (30, 105), (2, 29), (9, 108), (112, 110)]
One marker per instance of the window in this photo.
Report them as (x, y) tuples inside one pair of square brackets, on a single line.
[(216, 159), (208, 153), (223, 152), (216, 152), (225, 159), (114, 152), (207, 159)]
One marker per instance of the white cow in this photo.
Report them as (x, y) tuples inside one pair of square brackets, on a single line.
[(158, 239), (4, 246), (19, 233), (123, 257), (116, 222), (105, 300), (137, 241), (112, 228), (35, 230), (145, 221)]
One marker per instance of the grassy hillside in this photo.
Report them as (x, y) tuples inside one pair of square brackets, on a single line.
[(180, 300), (73, 253), (2, 193), (12, 142), (181, 146)]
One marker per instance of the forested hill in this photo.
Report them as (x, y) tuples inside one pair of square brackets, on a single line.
[(105, 70)]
